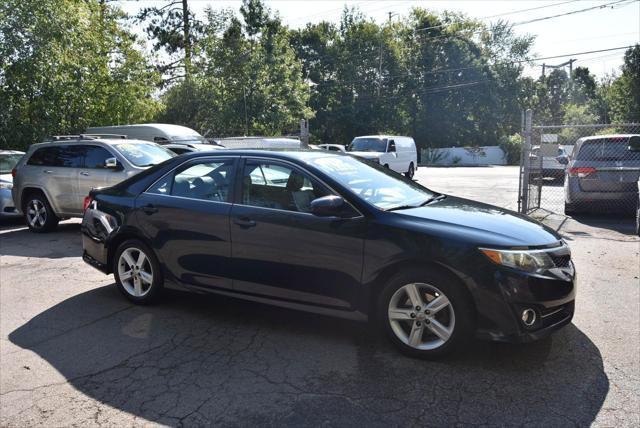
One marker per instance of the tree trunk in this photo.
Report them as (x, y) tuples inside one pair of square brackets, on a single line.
[(187, 40)]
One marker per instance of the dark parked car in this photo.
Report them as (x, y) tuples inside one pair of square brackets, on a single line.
[(332, 234), (602, 174)]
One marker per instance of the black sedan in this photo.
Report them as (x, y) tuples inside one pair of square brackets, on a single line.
[(329, 233)]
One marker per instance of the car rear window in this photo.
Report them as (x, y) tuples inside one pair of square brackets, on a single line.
[(605, 149)]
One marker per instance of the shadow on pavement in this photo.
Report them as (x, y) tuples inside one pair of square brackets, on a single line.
[(198, 360), (621, 223), (64, 241)]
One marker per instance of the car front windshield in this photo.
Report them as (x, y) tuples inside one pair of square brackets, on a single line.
[(8, 162), (368, 145), (383, 188), (144, 154)]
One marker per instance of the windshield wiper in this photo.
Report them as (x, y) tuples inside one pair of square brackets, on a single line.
[(433, 199), (402, 207)]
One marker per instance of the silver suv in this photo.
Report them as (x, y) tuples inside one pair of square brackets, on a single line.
[(53, 178)]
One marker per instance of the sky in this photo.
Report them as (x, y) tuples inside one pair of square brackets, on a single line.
[(602, 28)]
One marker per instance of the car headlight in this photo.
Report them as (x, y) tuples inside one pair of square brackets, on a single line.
[(6, 185), (534, 261)]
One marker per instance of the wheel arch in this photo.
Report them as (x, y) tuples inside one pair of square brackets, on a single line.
[(30, 190), (121, 236)]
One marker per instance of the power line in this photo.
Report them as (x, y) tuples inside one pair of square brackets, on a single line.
[(603, 6)]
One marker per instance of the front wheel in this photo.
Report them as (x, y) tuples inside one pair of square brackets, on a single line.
[(425, 314), (411, 171), (137, 272), (638, 220)]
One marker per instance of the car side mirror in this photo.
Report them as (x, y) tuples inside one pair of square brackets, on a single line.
[(327, 206), (392, 147), (112, 163), (564, 160), (634, 144)]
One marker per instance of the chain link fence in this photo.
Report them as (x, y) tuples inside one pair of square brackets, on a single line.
[(574, 169)]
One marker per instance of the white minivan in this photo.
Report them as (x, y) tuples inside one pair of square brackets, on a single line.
[(161, 133), (392, 151)]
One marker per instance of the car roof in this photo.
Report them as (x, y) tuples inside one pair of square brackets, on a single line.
[(381, 136), (284, 154), (164, 127), (108, 141), (599, 137)]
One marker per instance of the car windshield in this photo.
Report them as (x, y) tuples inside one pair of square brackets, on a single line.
[(368, 145), (605, 149), (144, 154), (383, 188), (8, 162)]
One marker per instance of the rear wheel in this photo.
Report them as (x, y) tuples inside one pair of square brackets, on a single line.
[(38, 214), (569, 209), (137, 272), (425, 314), (638, 220), (411, 171)]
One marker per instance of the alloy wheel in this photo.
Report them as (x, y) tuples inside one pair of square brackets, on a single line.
[(36, 213), (421, 316), (135, 272)]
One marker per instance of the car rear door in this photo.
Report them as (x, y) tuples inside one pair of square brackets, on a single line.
[(55, 170), (281, 250), (607, 165), (185, 217)]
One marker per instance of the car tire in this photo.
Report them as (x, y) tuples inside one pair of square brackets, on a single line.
[(433, 330), (386, 165), (569, 209), (38, 213), (638, 220), (409, 174), (138, 277)]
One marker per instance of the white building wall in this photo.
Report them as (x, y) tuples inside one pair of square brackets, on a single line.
[(487, 155)]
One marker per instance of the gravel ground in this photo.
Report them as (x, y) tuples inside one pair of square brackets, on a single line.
[(74, 352)]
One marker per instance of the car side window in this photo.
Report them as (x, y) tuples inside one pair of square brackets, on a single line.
[(60, 156), (274, 185), (96, 156), (209, 181)]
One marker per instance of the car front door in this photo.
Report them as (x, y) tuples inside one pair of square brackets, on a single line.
[(185, 216), (283, 251), (94, 172)]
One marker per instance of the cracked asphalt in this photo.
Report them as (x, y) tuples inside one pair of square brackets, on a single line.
[(73, 351)]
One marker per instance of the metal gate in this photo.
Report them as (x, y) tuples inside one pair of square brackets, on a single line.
[(602, 177)]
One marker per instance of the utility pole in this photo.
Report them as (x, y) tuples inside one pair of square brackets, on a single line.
[(564, 64), (187, 39), (391, 15)]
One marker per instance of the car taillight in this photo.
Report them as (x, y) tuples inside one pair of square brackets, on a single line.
[(14, 171), (87, 202), (581, 171)]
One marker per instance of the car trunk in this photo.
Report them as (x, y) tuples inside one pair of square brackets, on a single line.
[(607, 165)]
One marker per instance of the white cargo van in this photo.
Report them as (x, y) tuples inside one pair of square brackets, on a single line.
[(259, 143), (161, 133), (392, 151)]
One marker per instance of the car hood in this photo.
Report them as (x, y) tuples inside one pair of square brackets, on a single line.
[(480, 223), (367, 155)]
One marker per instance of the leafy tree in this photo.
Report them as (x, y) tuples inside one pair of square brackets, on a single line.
[(625, 90), (66, 65)]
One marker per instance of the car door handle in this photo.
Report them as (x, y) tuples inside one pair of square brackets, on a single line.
[(149, 209), (244, 222), (86, 174), (47, 171)]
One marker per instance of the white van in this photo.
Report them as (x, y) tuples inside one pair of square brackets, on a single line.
[(392, 151), (161, 133), (259, 143)]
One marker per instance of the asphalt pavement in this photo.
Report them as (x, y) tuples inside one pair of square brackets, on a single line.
[(73, 351)]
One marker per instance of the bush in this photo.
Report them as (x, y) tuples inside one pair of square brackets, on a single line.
[(511, 146)]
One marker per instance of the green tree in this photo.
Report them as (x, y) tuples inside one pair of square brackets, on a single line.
[(625, 90), (66, 65)]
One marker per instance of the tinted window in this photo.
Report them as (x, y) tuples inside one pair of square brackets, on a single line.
[(273, 185), (96, 156), (209, 181), (605, 149), (7, 162), (368, 145), (144, 154), (60, 156), (384, 189)]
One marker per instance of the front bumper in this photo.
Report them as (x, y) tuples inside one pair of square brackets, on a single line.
[(500, 314)]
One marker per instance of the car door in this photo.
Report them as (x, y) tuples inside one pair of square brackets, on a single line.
[(281, 250), (55, 169), (94, 172), (395, 161), (185, 217)]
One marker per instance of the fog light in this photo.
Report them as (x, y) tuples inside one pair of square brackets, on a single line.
[(529, 317)]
